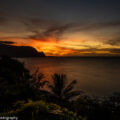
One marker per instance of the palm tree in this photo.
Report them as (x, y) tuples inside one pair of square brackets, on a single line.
[(37, 81), (60, 90)]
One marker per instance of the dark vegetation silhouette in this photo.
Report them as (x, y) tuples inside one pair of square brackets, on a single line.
[(36, 81), (7, 49), (14, 82), (60, 92), (23, 95)]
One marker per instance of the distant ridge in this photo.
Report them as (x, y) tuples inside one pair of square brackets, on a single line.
[(19, 51)]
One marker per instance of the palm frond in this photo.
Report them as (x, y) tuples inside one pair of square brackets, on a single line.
[(44, 83), (69, 87), (72, 94), (40, 76), (59, 88), (59, 82)]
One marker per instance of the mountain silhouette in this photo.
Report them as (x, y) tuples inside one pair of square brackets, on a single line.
[(19, 51)]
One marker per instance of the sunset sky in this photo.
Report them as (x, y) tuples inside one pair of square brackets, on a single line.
[(63, 27)]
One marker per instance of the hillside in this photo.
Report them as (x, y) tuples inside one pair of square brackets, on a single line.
[(19, 51)]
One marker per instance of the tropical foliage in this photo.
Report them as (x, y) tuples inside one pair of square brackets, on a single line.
[(61, 91), (41, 110), (23, 95)]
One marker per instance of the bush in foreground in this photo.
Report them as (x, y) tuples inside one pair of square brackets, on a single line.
[(41, 110)]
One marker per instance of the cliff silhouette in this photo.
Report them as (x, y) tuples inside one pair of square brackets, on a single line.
[(19, 51)]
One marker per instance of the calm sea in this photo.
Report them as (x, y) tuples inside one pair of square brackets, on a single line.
[(97, 76)]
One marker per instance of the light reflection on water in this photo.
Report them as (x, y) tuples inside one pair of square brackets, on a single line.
[(95, 75)]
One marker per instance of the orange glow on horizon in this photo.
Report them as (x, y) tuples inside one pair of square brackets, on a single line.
[(53, 47)]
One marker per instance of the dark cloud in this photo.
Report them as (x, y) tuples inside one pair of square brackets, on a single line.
[(115, 51), (42, 28), (93, 51), (108, 24), (56, 30), (3, 18), (33, 24), (49, 29), (85, 46), (7, 42), (95, 26), (53, 31), (115, 41), (111, 50)]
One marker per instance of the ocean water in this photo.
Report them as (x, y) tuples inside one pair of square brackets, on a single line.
[(96, 76)]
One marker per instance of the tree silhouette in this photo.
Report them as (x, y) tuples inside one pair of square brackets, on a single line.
[(60, 91), (37, 81), (14, 82)]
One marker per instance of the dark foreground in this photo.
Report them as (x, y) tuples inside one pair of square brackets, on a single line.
[(31, 97)]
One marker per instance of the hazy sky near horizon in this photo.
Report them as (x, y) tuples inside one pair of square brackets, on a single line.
[(62, 27)]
